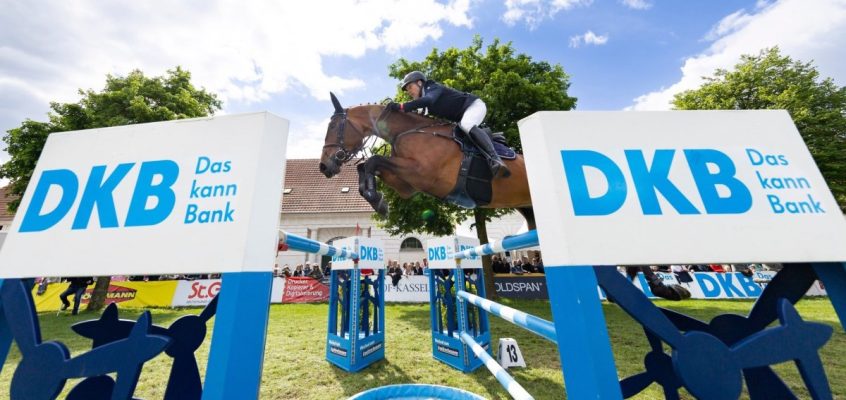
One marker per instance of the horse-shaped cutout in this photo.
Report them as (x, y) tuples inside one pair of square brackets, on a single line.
[(424, 157)]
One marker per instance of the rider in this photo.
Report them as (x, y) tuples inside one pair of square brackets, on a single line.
[(466, 109)]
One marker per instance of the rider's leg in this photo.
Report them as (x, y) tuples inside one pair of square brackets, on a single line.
[(473, 116), (656, 285)]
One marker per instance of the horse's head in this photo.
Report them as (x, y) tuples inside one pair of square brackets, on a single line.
[(343, 140)]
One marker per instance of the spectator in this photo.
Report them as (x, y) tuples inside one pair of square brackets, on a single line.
[(682, 274), (395, 272), (286, 271), (498, 266), (517, 268), (77, 288), (418, 269), (407, 269), (307, 269), (327, 269), (537, 263), (316, 273), (299, 270)]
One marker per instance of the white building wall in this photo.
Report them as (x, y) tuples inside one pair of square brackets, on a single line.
[(324, 227)]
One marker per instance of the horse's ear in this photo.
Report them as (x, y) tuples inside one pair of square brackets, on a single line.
[(336, 103)]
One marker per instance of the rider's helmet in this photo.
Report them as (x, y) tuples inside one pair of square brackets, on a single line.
[(412, 76)]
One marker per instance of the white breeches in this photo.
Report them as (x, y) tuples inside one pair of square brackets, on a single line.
[(474, 115)]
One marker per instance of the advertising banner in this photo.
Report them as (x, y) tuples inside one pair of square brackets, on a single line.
[(127, 294), (188, 196), (678, 187), (201, 292), (521, 287), (304, 290), (409, 289)]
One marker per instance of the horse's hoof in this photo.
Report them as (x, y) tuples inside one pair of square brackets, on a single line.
[(382, 209)]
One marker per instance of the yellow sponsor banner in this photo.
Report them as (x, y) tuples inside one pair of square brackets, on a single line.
[(127, 294)]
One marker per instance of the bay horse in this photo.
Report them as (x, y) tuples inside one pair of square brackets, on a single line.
[(425, 158)]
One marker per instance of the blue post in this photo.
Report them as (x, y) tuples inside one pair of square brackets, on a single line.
[(833, 276), (240, 329), (5, 334), (583, 344)]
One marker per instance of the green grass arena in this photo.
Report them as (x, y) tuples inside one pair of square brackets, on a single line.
[(295, 365)]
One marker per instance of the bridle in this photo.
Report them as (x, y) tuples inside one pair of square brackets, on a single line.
[(342, 155)]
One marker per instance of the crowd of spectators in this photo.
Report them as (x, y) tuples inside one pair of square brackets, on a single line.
[(517, 266)]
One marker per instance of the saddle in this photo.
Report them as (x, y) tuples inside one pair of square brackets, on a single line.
[(473, 186)]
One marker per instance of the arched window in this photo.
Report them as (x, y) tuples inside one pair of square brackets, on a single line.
[(411, 244)]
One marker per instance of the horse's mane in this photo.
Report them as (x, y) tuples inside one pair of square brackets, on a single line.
[(411, 117)]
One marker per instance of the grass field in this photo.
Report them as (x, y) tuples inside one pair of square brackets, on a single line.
[(295, 368)]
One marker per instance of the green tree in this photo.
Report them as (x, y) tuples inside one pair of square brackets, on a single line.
[(127, 100), (770, 80), (513, 86)]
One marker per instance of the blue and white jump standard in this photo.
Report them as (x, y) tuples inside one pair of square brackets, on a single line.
[(454, 274), (355, 336)]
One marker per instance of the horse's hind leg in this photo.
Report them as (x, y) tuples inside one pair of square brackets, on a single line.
[(367, 187)]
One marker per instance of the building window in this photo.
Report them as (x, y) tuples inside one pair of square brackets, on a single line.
[(411, 244), (288, 190)]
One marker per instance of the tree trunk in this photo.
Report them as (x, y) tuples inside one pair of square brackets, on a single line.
[(487, 267), (98, 296)]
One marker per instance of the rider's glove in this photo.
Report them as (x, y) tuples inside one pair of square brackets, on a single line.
[(394, 106)]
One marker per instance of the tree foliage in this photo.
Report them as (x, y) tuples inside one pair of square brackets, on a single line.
[(132, 99), (513, 86), (770, 80)]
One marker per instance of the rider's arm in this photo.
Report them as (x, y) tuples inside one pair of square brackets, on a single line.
[(432, 93)]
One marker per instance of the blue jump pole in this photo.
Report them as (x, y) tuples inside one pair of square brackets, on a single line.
[(538, 326), (300, 243), (514, 389), (516, 242)]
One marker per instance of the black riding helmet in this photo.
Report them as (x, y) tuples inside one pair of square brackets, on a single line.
[(412, 76)]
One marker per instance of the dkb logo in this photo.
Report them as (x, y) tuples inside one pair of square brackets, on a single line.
[(370, 253), (651, 180), (155, 179), (437, 253)]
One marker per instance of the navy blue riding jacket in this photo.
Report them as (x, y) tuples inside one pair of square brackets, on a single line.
[(441, 101)]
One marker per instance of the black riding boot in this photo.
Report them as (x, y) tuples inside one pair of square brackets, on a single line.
[(484, 143)]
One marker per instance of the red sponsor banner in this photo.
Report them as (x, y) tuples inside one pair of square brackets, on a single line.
[(304, 290)]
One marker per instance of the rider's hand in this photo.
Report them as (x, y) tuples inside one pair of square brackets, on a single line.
[(394, 106)]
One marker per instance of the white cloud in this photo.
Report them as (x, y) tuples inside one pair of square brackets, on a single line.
[(588, 38), (804, 30), (533, 12), (244, 51), (637, 4)]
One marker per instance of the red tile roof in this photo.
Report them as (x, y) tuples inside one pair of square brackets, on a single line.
[(311, 192), (4, 204)]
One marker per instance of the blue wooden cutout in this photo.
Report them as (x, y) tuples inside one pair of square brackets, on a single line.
[(740, 346), (186, 335)]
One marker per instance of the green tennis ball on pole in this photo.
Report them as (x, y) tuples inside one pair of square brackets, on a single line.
[(427, 215)]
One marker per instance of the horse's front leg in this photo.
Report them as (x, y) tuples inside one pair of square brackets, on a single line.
[(367, 188)]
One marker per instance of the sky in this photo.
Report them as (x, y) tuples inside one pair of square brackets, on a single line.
[(285, 57)]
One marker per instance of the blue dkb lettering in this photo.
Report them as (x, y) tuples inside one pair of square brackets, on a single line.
[(739, 200), (99, 193), (648, 180), (575, 162), (138, 214), (33, 220)]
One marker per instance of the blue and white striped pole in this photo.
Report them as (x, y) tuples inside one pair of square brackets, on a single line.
[(539, 326), (516, 242), (511, 386), (307, 245)]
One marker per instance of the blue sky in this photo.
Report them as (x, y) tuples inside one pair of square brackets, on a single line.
[(284, 57)]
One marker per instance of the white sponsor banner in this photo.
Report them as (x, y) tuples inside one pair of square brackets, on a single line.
[(202, 291), (370, 251), (440, 252), (728, 285), (677, 187), (187, 196), (409, 289)]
